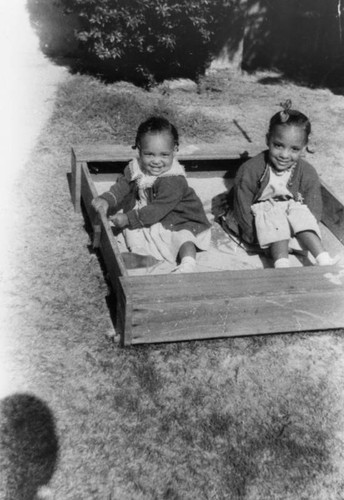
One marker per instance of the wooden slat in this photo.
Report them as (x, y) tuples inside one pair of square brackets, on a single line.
[(194, 168), (73, 176), (102, 152), (124, 307), (333, 212), (110, 152), (88, 192), (116, 269), (110, 250), (76, 183), (233, 303), (112, 258)]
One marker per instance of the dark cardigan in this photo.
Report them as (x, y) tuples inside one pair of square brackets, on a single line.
[(251, 180), (170, 201)]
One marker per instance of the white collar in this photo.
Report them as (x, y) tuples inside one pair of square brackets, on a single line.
[(144, 180), (284, 172)]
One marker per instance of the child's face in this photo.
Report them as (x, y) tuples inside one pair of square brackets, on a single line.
[(286, 143), (156, 153)]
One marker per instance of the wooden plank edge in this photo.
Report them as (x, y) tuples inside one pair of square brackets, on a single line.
[(191, 336), (118, 275), (111, 153), (114, 264), (88, 193), (125, 309), (241, 317), (75, 182), (333, 212), (99, 219)]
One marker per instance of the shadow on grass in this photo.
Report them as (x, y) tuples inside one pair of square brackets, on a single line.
[(28, 446), (243, 463)]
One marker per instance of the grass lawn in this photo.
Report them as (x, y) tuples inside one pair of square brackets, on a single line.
[(252, 418)]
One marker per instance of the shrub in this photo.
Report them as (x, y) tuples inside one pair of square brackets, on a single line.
[(149, 40)]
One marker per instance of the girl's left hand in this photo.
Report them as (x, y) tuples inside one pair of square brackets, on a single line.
[(120, 220)]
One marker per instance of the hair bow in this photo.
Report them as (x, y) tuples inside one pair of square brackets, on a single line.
[(286, 108)]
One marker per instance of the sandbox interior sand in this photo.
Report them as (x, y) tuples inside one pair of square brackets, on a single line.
[(225, 253)]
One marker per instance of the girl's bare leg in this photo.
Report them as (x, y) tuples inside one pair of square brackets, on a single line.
[(313, 244), (187, 249), (279, 253), (187, 254)]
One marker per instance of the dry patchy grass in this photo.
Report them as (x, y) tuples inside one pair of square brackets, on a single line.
[(244, 418)]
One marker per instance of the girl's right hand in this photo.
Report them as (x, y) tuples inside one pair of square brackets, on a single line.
[(120, 220), (100, 203)]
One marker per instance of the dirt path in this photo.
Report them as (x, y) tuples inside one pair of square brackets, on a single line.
[(27, 93), (27, 88)]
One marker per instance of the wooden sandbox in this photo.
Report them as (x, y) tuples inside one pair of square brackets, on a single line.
[(202, 305)]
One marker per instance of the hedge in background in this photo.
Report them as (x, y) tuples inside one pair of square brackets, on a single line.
[(145, 41)]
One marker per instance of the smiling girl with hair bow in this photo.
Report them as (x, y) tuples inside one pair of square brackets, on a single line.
[(277, 193)]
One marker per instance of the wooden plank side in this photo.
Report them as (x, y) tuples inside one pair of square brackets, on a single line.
[(114, 152), (73, 177), (236, 303), (102, 152), (110, 251), (88, 191), (219, 168), (333, 212), (253, 282), (116, 269), (76, 183), (242, 318), (124, 309), (111, 256)]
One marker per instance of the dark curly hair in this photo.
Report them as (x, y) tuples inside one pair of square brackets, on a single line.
[(155, 125)]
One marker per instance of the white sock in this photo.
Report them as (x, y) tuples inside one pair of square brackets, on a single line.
[(323, 259), (187, 264), (282, 262), (188, 260)]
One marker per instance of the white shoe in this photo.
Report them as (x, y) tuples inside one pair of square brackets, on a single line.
[(281, 263), (324, 259)]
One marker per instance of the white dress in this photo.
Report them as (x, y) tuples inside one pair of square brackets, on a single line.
[(156, 240), (278, 216)]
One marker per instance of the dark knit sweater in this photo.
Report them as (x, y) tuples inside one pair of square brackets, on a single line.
[(170, 201), (251, 180)]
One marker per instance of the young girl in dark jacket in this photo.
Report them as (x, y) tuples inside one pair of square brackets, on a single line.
[(162, 215), (277, 194)]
